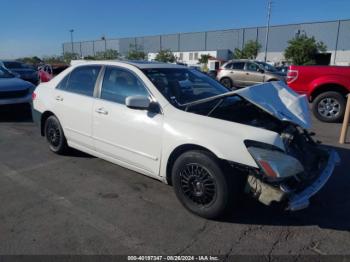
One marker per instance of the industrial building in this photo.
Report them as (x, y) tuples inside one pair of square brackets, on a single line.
[(334, 34)]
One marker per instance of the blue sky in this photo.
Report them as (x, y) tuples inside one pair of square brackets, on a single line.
[(37, 27)]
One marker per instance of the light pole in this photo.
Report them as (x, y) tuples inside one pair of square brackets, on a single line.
[(71, 39), (267, 28), (104, 39)]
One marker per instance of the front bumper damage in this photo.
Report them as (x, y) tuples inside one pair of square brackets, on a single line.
[(301, 200), (295, 200)]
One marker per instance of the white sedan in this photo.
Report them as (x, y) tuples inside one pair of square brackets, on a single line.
[(178, 125)]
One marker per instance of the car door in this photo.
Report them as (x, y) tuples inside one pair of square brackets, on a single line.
[(129, 137), (252, 74), (237, 73), (73, 104)]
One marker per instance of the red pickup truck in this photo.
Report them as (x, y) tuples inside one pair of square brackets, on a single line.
[(325, 86)]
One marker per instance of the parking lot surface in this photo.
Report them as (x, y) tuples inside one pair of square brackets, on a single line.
[(79, 204)]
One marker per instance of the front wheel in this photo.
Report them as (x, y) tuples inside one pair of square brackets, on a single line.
[(329, 107), (55, 136), (201, 185)]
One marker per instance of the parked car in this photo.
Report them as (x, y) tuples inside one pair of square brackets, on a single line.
[(179, 126), (325, 86), (45, 73), (25, 71), (242, 73), (282, 69), (272, 69), (14, 90)]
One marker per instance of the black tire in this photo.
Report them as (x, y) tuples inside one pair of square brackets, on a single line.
[(55, 136), (226, 82), (201, 185), (329, 107)]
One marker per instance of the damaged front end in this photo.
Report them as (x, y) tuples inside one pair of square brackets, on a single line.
[(292, 176), (303, 168)]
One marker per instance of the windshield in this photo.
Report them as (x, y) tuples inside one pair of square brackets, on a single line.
[(181, 85), (15, 65), (5, 73), (267, 67)]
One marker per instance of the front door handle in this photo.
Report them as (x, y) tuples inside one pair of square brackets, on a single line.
[(102, 111), (59, 98)]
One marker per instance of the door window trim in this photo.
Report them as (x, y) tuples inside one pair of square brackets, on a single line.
[(101, 78), (69, 75)]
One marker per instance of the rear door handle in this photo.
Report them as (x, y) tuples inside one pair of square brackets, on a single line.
[(59, 98), (102, 111)]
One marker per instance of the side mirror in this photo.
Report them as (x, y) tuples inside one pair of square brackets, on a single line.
[(138, 102)]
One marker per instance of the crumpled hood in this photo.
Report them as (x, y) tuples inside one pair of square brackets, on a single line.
[(279, 100)]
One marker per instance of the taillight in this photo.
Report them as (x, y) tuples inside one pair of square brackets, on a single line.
[(292, 75), (33, 96)]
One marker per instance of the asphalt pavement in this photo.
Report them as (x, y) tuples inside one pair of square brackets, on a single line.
[(79, 204)]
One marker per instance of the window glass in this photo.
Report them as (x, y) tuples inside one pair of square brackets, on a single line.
[(191, 56), (82, 80), (120, 83), (181, 56), (228, 66), (181, 85), (252, 67), (238, 65), (195, 56), (13, 65), (63, 84)]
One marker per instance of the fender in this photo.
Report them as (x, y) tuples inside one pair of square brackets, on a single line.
[(328, 80)]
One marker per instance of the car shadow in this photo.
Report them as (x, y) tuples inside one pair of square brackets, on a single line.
[(72, 152), (330, 208), (16, 113)]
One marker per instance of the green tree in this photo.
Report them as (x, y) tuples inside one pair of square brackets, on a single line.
[(302, 50), (204, 59), (34, 60), (249, 51), (136, 53), (109, 54), (53, 59), (67, 57), (165, 56)]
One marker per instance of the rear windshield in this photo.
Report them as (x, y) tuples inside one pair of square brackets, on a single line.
[(12, 65)]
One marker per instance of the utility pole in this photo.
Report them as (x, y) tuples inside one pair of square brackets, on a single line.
[(267, 28), (71, 39)]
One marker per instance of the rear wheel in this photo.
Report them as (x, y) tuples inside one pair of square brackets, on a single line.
[(226, 82), (55, 136), (201, 184), (329, 107)]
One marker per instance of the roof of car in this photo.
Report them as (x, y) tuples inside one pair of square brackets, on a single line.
[(136, 63), (152, 64)]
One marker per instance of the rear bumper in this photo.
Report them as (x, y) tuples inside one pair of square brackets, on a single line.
[(36, 115), (301, 200)]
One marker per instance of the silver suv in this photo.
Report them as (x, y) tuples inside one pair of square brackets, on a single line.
[(242, 73)]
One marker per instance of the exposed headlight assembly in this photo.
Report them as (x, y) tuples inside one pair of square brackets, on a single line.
[(275, 164)]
